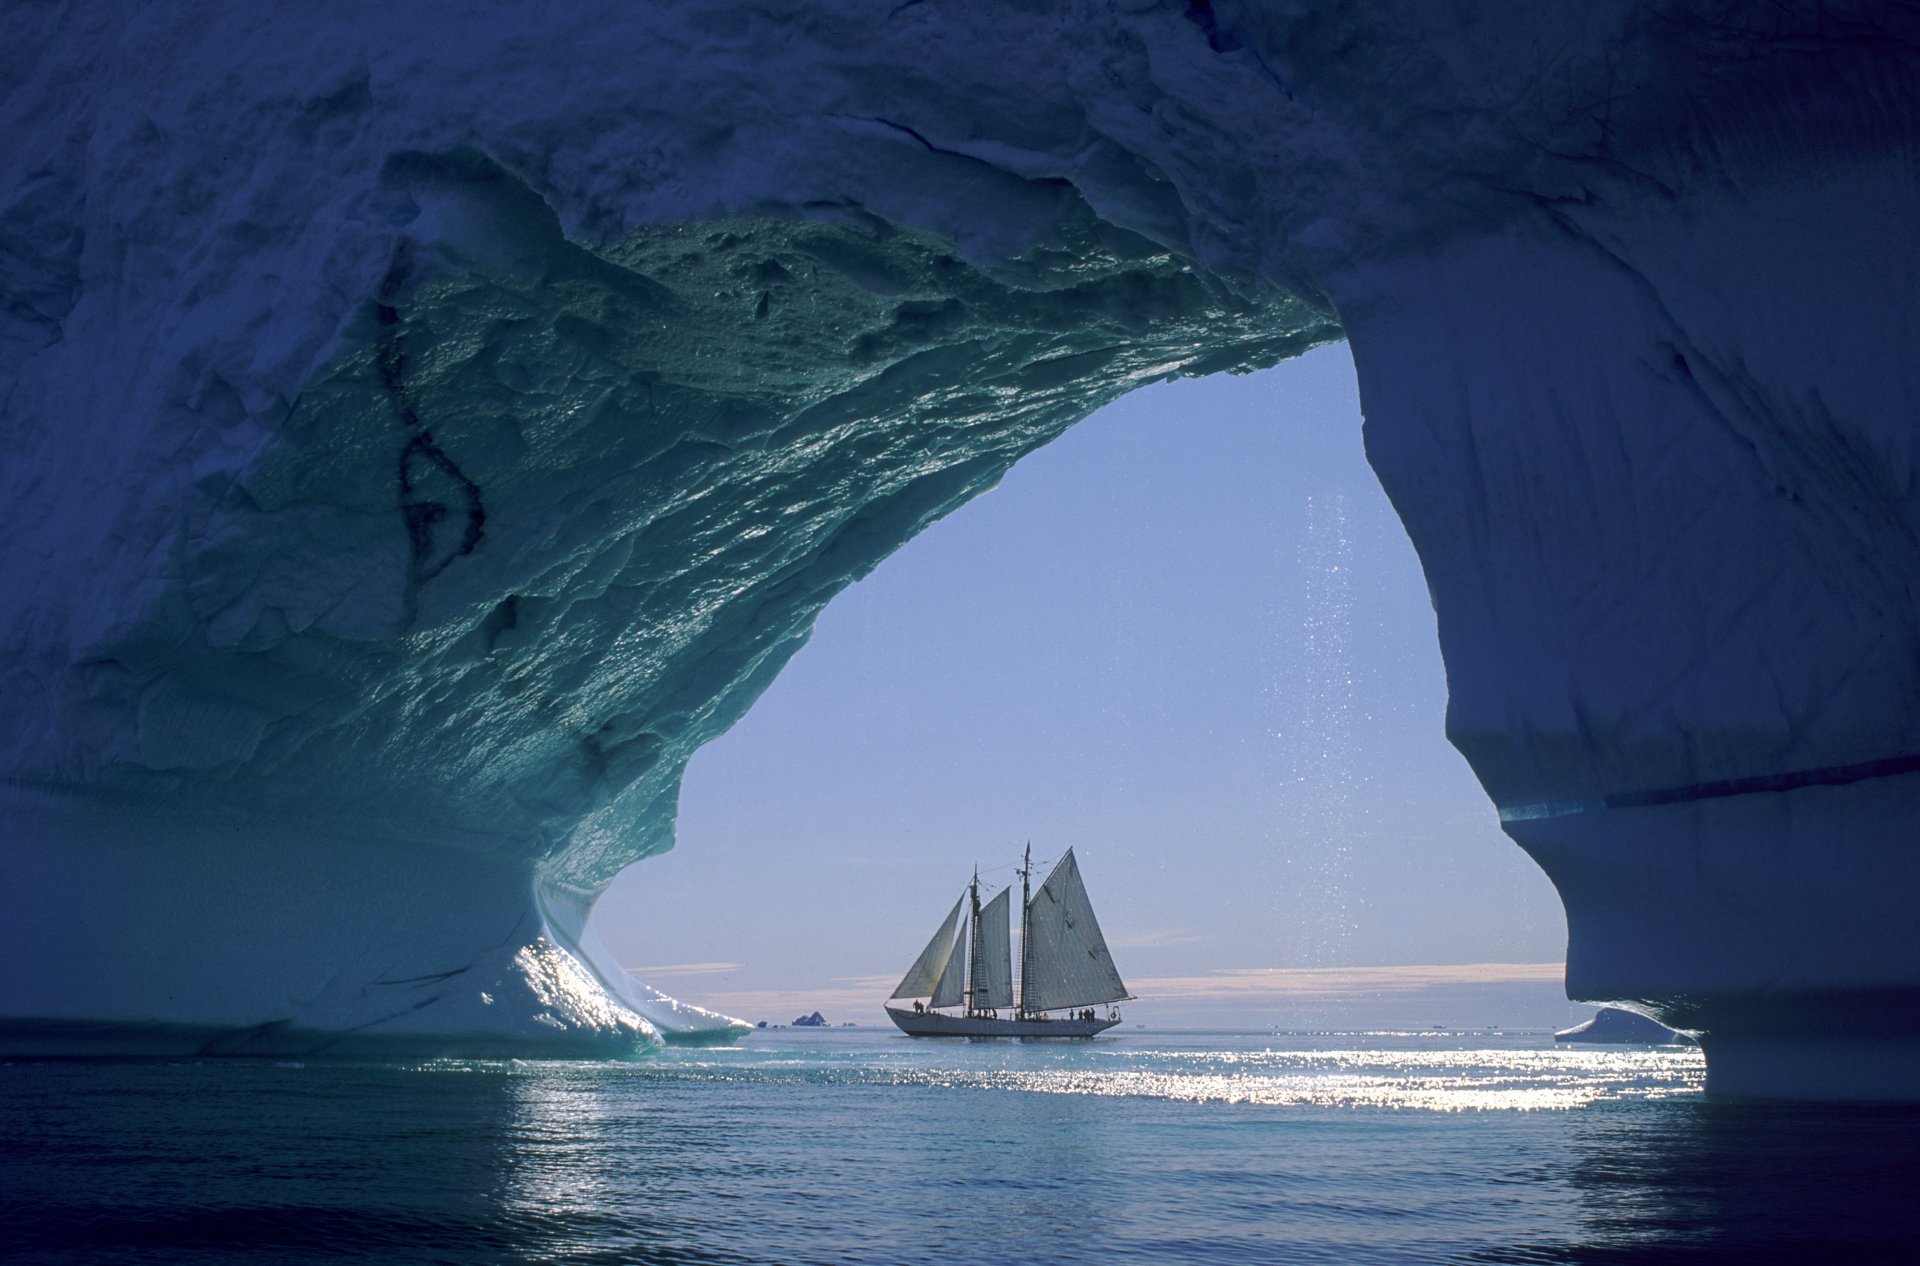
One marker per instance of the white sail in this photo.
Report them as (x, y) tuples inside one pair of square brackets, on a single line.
[(1066, 958), (948, 990), (933, 960), (993, 955)]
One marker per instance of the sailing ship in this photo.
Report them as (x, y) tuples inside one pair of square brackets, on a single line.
[(1064, 965)]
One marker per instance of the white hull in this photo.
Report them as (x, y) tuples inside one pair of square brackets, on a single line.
[(934, 1024)]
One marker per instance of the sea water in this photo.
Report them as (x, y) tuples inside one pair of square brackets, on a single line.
[(863, 1146)]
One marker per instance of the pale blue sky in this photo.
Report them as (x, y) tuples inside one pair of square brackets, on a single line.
[(1190, 640)]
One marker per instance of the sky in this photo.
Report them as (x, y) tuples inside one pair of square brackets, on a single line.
[(1189, 640)]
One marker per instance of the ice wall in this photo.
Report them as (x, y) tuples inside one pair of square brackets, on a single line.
[(1654, 439), (427, 424)]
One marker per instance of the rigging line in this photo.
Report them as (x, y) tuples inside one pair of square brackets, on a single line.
[(1015, 866)]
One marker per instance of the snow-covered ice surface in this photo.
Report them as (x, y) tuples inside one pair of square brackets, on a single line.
[(425, 425)]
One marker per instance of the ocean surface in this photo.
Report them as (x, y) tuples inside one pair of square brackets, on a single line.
[(862, 1146)]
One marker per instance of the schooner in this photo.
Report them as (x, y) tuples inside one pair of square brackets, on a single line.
[(1064, 965)]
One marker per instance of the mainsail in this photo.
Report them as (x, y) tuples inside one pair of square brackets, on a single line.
[(992, 955), (1066, 958), (932, 964)]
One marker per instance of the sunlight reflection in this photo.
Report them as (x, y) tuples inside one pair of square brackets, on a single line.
[(1426, 1080)]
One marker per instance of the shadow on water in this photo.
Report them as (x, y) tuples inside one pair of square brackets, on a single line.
[(1704, 1182), (227, 1161)]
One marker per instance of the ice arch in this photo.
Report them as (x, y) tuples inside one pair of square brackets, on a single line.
[(426, 425)]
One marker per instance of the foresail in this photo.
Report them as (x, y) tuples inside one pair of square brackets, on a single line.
[(926, 970), (1067, 961), (993, 955), (948, 990)]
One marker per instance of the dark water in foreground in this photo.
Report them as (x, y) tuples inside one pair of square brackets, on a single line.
[(861, 1146)]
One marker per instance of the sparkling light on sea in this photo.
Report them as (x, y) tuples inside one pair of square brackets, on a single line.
[(1380, 1070)]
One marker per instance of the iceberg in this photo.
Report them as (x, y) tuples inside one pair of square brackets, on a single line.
[(1615, 1026), (425, 427)]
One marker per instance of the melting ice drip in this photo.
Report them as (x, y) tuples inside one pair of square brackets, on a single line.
[(1323, 742)]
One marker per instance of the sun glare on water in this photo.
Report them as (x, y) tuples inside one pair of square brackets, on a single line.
[(1464, 1080)]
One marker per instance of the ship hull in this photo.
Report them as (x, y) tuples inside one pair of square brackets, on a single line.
[(933, 1024)]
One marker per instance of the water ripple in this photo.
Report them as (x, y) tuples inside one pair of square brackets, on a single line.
[(867, 1148)]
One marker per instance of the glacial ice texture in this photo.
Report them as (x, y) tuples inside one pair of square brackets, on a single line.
[(427, 424)]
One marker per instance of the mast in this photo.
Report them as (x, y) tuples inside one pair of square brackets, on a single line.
[(973, 945), (1026, 928)]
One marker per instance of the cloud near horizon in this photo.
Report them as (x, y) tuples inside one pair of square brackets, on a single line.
[(683, 969), (1229, 983), (1246, 988)]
